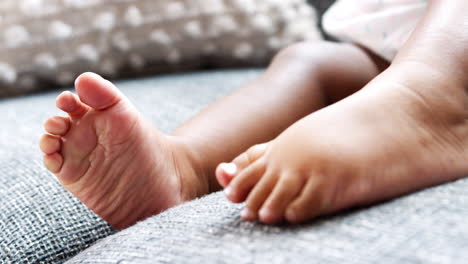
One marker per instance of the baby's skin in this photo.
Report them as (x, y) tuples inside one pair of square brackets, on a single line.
[(407, 129)]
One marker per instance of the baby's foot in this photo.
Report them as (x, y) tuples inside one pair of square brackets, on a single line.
[(386, 140), (114, 161)]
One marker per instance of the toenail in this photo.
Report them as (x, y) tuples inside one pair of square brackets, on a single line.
[(246, 213), (229, 168)]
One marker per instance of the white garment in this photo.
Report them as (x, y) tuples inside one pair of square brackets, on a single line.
[(382, 26)]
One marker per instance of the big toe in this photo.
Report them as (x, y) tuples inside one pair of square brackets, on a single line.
[(97, 92), (225, 172)]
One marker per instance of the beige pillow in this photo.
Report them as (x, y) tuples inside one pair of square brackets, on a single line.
[(46, 43)]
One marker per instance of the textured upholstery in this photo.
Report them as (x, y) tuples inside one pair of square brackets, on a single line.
[(426, 227)]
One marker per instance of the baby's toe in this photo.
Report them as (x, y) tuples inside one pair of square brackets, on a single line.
[(53, 162), (227, 171), (71, 104), (257, 197), (50, 144), (57, 125), (309, 204), (245, 180), (250, 156), (285, 191), (96, 92)]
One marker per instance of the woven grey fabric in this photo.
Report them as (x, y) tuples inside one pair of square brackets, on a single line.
[(39, 220), (426, 227)]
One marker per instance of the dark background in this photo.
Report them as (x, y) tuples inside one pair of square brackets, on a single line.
[(321, 5)]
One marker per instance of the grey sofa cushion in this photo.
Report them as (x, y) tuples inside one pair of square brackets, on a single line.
[(39, 220), (426, 227)]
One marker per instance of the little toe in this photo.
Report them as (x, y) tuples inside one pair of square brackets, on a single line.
[(307, 205), (97, 92), (50, 144), (70, 103), (258, 195), (285, 191), (57, 125), (53, 162), (240, 187), (227, 171)]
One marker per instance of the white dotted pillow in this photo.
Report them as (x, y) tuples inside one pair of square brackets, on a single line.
[(46, 43)]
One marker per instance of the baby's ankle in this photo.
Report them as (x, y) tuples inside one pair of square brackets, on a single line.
[(199, 177), (431, 94), (429, 79)]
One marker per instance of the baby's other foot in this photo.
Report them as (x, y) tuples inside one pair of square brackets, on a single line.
[(113, 160), (384, 141)]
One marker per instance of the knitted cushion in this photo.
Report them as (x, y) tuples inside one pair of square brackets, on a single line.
[(46, 43)]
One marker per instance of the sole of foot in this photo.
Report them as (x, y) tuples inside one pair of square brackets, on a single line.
[(112, 159)]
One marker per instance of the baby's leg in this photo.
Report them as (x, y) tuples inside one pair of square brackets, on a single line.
[(121, 167)]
